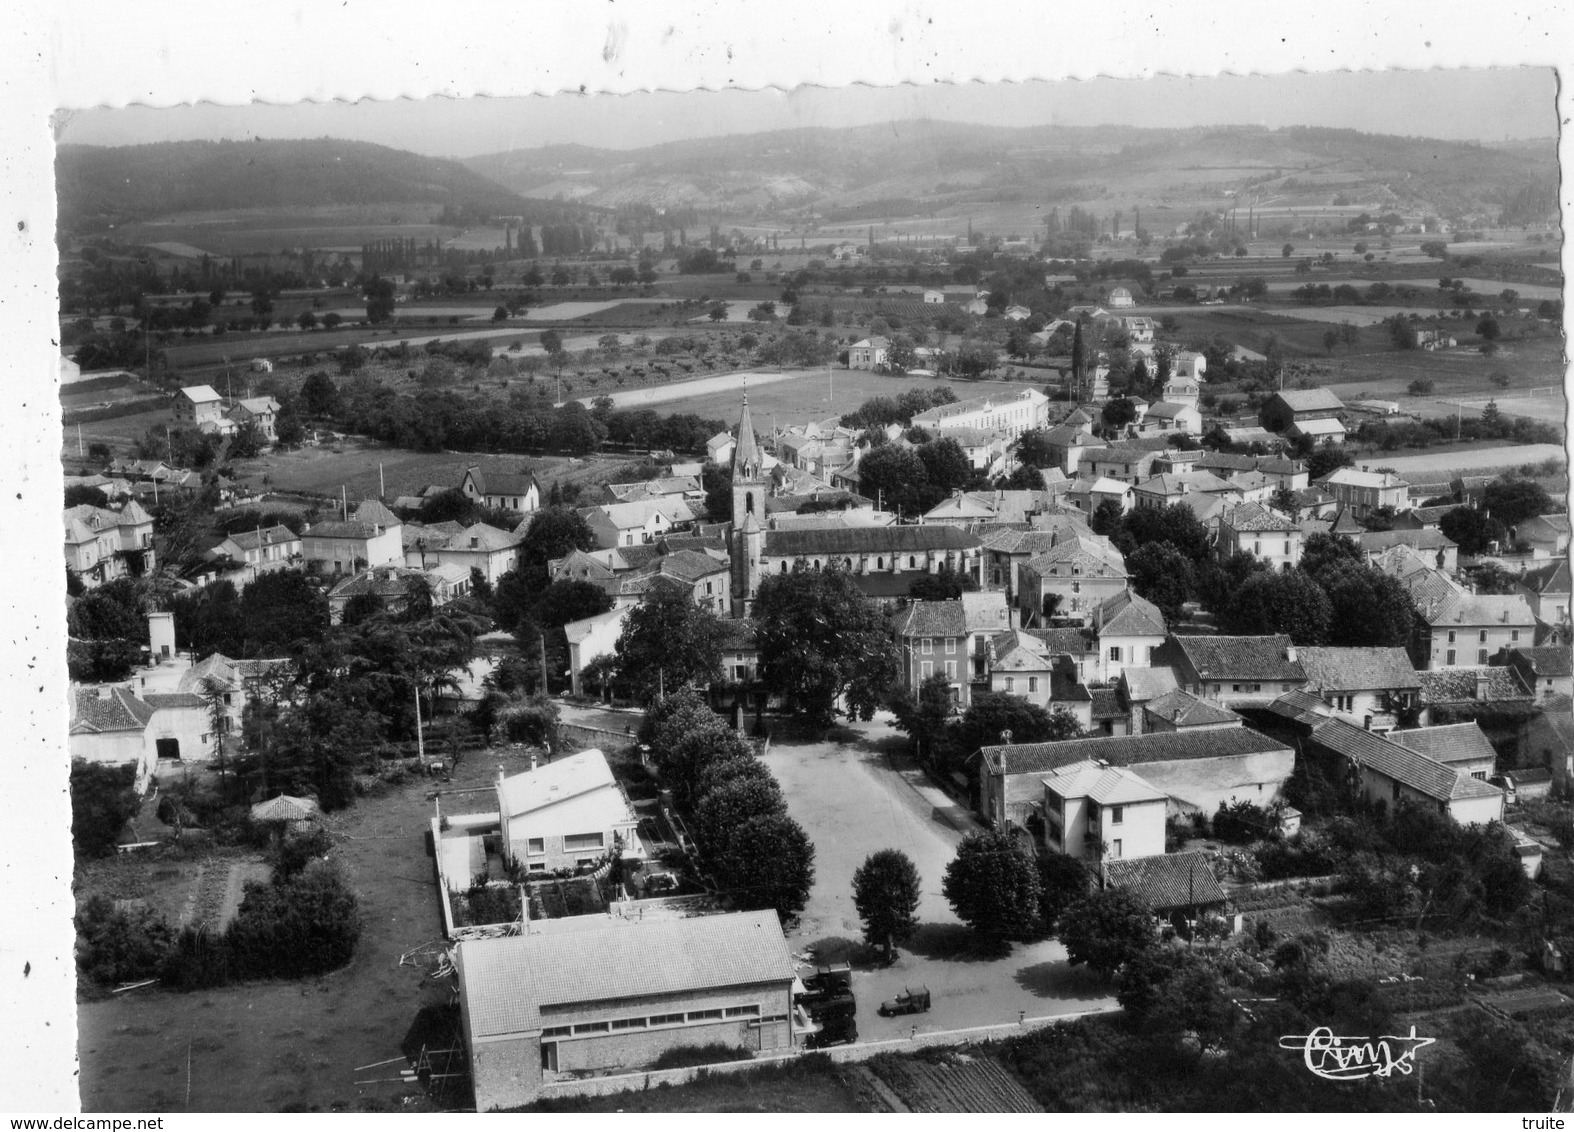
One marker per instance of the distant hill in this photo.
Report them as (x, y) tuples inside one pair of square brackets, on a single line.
[(100, 185), (918, 166)]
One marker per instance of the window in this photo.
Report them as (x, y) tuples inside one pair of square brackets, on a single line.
[(1451, 636), (1076, 587), (1011, 683), (1032, 683), (1114, 654), (557, 1031), (1235, 687), (911, 562), (1483, 636), (575, 841), (536, 845), (927, 669), (1117, 814), (1055, 804), (950, 644), (1450, 654), (950, 669), (628, 1024), (1481, 774), (742, 1011), (592, 1028), (538, 867), (666, 1019), (1513, 634), (1481, 656), (1115, 848), (702, 1015), (1396, 791), (928, 645)]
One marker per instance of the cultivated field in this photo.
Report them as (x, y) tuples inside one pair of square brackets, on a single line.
[(1473, 461), (953, 1082)]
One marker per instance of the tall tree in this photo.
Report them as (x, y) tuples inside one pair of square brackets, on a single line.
[(994, 889), (103, 799), (553, 533), (886, 892), (668, 641), (821, 639), (1289, 602), (1107, 929), (768, 862)]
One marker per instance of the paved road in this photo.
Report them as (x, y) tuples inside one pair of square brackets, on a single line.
[(857, 794)]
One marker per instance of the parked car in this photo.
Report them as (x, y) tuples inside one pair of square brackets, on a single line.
[(830, 978), (833, 1031), (824, 1006), (908, 1002)]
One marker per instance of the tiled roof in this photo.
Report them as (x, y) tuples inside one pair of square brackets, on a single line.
[(502, 483), (1303, 707), (1421, 773), (1552, 578), (1358, 669), (1256, 517), (1460, 686), (1455, 743), (1167, 881), (738, 634), (270, 536), (381, 581), (1544, 528), (932, 619), (1244, 658), (432, 536), (1083, 550), (1007, 541), (1461, 608), (1106, 785), (1186, 710), (1106, 704), (1068, 642), (1146, 684), (479, 536), (160, 701), (1163, 484), (1128, 614), (868, 540), (372, 511), (117, 709), (1128, 750), (1424, 539), (337, 528), (506, 983), (1017, 651), (1544, 660)]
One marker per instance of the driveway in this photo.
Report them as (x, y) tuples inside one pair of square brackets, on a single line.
[(857, 793)]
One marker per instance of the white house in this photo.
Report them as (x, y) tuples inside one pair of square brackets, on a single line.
[(339, 547), (199, 405), (869, 353), (567, 814), (109, 725), (505, 491), (481, 547), (1266, 535), (590, 639), (1094, 811)]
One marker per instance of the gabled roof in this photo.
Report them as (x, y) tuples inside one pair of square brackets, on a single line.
[(1543, 527), (868, 540), (1321, 426), (1421, 773), (200, 394), (507, 982), (479, 536), (1255, 517), (276, 535), (1168, 410), (1424, 539), (1355, 477), (1183, 709), (1542, 660), (556, 782), (117, 709), (502, 483), (1106, 785), (1006, 540), (1241, 658), (372, 511), (1128, 750), (1303, 707), (1146, 684), (1552, 578), (171, 701), (1358, 669), (1167, 881), (577, 631), (1309, 400), (1461, 608), (431, 536), (1455, 743), (337, 528), (1096, 561), (1018, 651), (932, 619), (1128, 614)]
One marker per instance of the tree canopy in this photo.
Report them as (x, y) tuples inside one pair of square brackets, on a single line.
[(994, 889), (668, 641), (1107, 929), (886, 892)]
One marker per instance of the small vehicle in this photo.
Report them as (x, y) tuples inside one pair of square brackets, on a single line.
[(822, 1007), (833, 978), (908, 1002), (833, 1031)]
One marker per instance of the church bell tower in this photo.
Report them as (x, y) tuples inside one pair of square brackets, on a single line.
[(749, 487)]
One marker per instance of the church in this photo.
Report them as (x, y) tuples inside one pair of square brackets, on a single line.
[(883, 561)]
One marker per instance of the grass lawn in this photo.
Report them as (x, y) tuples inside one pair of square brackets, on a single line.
[(810, 1084)]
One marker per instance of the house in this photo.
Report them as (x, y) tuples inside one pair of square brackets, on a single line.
[(1544, 670), (644, 520), (1449, 695), (590, 639), (1234, 670), (267, 549), (1173, 416), (1021, 664), (719, 448), (1138, 687), (700, 577), (421, 541), (600, 994), (1434, 545), (1390, 773), (1177, 710), (1362, 492), (343, 546), (740, 651), (103, 544), (234, 682), (109, 725), (393, 587), (1546, 535), (1462, 746), (1094, 812), (933, 296), (1284, 472), (1254, 487), (568, 814), (480, 547), (1295, 406), (1088, 495), (1071, 579), (1138, 328), (1182, 391), (869, 353), (1546, 590), (1162, 490), (1129, 629), (1179, 888), (1008, 415), (1372, 687), (182, 727), (1196, 770), (883, 560), (1127, 463), (1266, 535), (950, 638), (201, 406), (1068, 444), (504, 491), (260, 411), (1120, 298), (1016, 312), (1456, 628), (685, 487), (1323, 430)]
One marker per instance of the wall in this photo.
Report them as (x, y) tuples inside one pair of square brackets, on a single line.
[(1205, 783), (1135, 652), (116, 748), (1468, 644), (188, 726)]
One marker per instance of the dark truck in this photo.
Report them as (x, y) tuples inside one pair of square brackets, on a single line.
[(908, 1002), (830, 1004)]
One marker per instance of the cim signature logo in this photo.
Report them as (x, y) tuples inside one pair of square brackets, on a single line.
[(1338, 1058)]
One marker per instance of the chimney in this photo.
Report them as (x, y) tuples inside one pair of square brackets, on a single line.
[(1289, 653), (1481, 685)]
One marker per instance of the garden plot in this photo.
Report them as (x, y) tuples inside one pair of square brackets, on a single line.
[(953, 1082)]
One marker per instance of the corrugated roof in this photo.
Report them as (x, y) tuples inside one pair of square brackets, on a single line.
[(1127, 750), (1166, 882), (1455, 743), (507, 983), (1358, 669)]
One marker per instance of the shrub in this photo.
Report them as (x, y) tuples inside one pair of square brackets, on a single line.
[(297, 851), (685, 1056), (115, 946), (305, 925)]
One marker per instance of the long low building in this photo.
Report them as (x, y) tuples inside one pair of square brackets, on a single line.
[(883, 560), (1196, 770), (612, 994)]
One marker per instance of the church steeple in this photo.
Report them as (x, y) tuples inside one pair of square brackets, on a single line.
[(746, 459), (748, 515)]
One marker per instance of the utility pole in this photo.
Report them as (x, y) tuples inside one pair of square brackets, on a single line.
[(420, 741)]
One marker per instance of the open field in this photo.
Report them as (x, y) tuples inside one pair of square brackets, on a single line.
[(807, 1085), (1445, 464)]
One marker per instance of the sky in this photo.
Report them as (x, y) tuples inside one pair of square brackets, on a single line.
[(1483, 105)]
